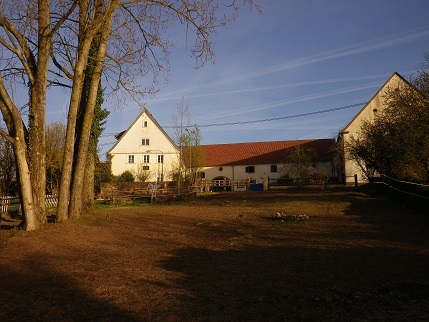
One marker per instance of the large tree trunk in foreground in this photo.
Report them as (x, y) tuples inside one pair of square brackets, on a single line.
[(31, 221), (66, 177), (70, 199), (75, 207), (88, 185), (37, 127), (16, 136)]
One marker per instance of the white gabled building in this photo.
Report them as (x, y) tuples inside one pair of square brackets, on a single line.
[(374, 106), (145, 146)]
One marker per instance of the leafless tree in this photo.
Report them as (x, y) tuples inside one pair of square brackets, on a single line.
[(45, 43), (55, 135)]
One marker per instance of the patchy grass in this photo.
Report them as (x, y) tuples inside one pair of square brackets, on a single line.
[(360, 254)]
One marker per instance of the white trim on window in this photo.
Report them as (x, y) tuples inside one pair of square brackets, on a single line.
[(130, 158), (146, 158)]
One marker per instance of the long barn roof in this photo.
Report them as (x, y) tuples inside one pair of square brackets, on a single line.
[(263, 152)]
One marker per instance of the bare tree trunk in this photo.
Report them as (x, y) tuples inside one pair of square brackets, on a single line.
[(32, 222), (75, 207), (37, 139), (66, 177), (16, 136), (70, 203), (88, 185)]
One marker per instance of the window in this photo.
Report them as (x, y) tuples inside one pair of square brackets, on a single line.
[(146, 158), (145, 167), (250, 169), (145, 141), (144, 123), (160, 159), (130, 158), (274, 168)]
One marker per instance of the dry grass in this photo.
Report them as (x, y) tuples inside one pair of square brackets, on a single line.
[(359, 256)]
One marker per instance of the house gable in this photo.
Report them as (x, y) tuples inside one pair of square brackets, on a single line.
[(376, 104), (145, 146), (130, 141)]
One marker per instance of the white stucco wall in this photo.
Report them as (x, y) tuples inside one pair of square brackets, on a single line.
[(131, 144), (239, 172), (262, 171), (371, 109), (156, 170)]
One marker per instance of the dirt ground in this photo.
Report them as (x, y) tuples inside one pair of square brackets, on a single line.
[(336, 254)]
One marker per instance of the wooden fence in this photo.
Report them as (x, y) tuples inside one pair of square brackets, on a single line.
[(310, 181), (227, 185), (9, 203)]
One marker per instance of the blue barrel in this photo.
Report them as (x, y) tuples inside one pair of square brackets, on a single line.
[(256, 187)]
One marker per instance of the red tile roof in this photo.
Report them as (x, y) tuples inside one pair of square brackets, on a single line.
[(263, 152)]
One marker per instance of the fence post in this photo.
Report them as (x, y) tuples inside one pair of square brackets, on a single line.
[(265, 185), (356, 180)]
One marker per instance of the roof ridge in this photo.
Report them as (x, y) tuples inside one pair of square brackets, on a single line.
[(266, 142)]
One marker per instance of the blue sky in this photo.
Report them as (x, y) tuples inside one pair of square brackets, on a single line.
[(298, 57)]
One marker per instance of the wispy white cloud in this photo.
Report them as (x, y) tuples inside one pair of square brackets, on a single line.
[(253, 89), (247, 110), (279, 86), (358, 48)]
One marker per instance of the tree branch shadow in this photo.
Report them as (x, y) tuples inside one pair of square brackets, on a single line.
[(46, 295), (285, 283)]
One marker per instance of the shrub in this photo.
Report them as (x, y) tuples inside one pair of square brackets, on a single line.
[(126, 176)]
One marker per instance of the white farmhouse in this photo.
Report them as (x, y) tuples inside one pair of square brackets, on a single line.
[(263, 160), (145, 147), (375, 106)]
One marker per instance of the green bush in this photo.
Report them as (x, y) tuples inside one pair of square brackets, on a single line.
[(126, 176)]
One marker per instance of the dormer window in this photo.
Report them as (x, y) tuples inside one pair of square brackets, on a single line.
[(145, 142)]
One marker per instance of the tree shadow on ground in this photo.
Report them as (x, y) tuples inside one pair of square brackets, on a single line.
[(185, 268), (282, 283), (394, 216), (45, 295), (373, 271)]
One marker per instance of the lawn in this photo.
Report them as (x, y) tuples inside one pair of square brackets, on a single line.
[(335, 254)]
